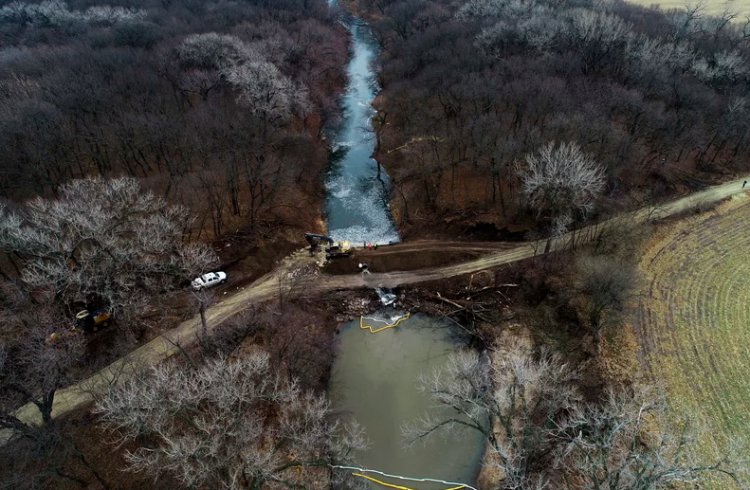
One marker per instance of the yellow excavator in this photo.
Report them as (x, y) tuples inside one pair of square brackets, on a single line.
[(86, 322), (333, 250), (92, 321)]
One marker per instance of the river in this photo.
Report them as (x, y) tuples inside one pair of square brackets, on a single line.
[(375, 375), (357, 194)]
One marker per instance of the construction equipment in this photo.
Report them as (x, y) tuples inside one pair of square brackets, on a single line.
[(333, 250), (340, 249), (86, 322), (92, 321)]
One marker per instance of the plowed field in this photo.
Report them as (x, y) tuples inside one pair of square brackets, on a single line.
[(694, 318)]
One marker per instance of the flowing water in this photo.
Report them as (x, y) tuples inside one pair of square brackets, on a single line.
[(357, 194), (375, 379), (374, 376)]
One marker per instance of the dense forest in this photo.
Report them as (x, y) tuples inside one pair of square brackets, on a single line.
[(133, 136), (144, 142), (657, 99), (219, 106)]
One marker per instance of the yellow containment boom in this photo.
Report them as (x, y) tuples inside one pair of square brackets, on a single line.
[(374, 329), (397, 487), (362, 473)]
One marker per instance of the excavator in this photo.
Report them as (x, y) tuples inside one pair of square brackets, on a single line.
[(92, 321), (333, 249), (86, 322)]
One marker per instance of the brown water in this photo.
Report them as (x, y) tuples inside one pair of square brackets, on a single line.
[(375, 377)]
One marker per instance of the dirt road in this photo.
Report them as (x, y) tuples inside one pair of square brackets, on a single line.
[(285, 278)]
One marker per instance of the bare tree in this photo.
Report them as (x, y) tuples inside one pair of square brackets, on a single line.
[(724, 66), (102, 242), (625, 443), (213, 50), (229, 424), (210, 58), (559, 181), (526, 397), (38, 356), (599, 37), (57, 13), (204, 298), (482, 8), (202, 59), (34, 365), (605, 285), (542, 434), (266, 91)]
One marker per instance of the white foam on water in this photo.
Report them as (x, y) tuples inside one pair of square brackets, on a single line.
[(358, 235), (354, 195), (339, 187), (387, 298), (341, 193)]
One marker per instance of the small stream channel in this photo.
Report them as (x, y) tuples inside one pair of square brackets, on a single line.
[(375, 375), (357, 194)]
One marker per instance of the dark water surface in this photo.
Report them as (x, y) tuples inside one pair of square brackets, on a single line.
[(357, 198)]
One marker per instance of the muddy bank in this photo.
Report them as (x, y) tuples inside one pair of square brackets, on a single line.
[(407, 261)]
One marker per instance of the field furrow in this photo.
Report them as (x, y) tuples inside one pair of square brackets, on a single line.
[(694, 322)]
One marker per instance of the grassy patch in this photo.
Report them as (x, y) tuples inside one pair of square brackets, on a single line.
[(694, 319)]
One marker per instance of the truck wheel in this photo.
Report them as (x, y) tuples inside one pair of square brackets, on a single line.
[(222, 281)]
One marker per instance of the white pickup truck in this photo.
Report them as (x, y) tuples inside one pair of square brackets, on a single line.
[(209, 280)]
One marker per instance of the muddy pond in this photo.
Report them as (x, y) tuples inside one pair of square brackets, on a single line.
[(375, 379)]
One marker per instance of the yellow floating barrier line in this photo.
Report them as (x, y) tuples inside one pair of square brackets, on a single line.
[(372, 329), (375, 480), (360, 472), (397, 487)]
